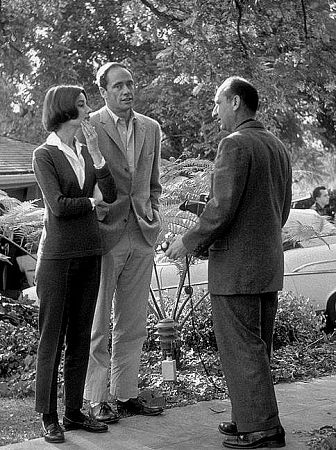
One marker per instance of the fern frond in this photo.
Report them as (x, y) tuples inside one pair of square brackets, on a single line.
[(187, 168), (22, 213), (180, 223), (21, 222), (300, 232), (168, 203), (7, 203)]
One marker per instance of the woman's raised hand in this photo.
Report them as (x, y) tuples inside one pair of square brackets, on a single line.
[(91, 138)]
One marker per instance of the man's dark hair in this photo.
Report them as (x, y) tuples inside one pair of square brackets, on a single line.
[(59, 105), (317, 191), (101, 77), (246, 91)]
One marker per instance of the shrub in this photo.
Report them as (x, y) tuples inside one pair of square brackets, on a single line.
[(18, 345), (18, 356), (198, 330), (296, 321)]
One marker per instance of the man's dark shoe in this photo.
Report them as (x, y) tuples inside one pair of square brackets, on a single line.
[(104, 413), (228, 428), (138, 405), (273, 438), (87, 424), (53, 433)]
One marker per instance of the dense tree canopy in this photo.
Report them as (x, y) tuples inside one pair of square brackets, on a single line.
[(180, 51)]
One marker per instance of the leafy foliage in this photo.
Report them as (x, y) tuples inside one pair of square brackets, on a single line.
[(182, 179), (18, 344), (296, 321), (301, 352), (300, 349), (199, 376), (21, 224), (180, 52)]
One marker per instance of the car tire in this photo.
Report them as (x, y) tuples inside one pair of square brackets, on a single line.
[(330, 314)]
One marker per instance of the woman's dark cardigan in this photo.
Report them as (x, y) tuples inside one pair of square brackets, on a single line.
[(70, 224)]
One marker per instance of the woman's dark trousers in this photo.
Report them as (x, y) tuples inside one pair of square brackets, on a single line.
[(67, 290)]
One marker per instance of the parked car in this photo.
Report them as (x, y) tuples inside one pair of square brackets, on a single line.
[(309, 259), (310, 263), (168, 275), (304, 202)]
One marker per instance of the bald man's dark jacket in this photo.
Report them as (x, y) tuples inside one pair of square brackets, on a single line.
[(249, 203)]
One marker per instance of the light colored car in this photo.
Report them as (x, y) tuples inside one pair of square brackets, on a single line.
[(168, 277), (310, 263), (310, 268)]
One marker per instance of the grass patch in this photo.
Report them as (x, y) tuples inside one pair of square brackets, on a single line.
[(18, 420)]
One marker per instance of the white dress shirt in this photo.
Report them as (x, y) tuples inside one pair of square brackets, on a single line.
[(76, 160), (126, 135)]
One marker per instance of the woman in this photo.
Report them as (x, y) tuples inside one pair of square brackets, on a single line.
[(73, 178)]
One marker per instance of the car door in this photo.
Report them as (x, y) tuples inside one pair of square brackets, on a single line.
[(311, 272)]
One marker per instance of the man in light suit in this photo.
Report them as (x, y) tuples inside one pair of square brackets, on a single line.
[(130, 144), (241, 225)]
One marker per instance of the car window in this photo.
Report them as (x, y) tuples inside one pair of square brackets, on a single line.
[(315, 242), (306, 228)]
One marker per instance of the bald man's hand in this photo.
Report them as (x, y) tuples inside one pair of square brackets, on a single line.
[(176, 249)]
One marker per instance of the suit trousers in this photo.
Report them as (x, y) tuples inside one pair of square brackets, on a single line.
[(243, 327), (124, 290), (67, 290)]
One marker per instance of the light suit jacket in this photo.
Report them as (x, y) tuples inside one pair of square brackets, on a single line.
[(139, 191), (241, 224)]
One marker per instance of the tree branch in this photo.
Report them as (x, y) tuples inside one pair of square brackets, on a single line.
[(161, 14), (240, 16), (304, 18), (170, 19)]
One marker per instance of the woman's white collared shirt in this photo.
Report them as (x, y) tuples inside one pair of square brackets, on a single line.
[(76, 160)]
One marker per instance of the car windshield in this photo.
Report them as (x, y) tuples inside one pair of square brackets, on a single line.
[(306, 228), (315, 242)]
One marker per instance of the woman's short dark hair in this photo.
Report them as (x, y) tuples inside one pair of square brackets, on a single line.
[(246, 91), (59, 105), (101, 77)]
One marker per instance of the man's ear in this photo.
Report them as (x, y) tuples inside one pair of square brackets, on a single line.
[(236, 100), (102, 92)]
